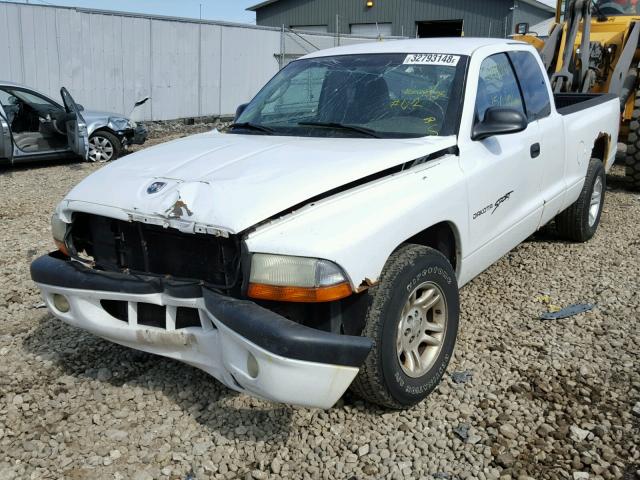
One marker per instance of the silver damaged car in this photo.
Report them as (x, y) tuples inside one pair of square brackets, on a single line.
[(35, 127)]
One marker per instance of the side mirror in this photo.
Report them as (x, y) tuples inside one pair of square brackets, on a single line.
[(499, 121), (522, 28), (240, 109), (80, 107)]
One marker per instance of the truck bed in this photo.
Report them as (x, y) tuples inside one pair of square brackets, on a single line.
[(567, 103)]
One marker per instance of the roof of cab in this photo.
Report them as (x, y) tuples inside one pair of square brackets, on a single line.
[(455, 46)]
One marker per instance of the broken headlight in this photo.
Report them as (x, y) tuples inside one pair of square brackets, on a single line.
[(121, 123), (296, 279), (59, 232)]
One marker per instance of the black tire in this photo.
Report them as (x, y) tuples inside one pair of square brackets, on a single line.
[(574, 223), (632, 158), (104, 138), (381, 379)]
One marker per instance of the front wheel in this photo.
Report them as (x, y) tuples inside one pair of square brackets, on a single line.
[(104, 147), (413, 320)]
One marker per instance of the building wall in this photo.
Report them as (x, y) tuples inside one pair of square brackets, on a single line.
[(530, 14), (108, 61), (481, 18)]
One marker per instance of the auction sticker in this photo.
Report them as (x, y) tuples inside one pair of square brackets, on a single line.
[(432, 59)]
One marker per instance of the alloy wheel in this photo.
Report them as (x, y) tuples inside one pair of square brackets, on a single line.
[(421, 329), (596, 200), (100, 149)]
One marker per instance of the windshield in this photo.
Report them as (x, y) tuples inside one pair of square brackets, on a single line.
[(618, 7), (382, 95)]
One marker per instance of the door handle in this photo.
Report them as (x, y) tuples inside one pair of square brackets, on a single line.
[(535, 150)]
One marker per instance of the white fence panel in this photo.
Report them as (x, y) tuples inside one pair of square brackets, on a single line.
[(109, 60), (136, 65), (210, 78), (10, 37), (175, 69), (247, 63)]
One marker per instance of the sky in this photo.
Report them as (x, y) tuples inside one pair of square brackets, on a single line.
[(228, 10)]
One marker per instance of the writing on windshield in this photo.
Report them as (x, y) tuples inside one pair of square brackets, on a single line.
[(383, 95)]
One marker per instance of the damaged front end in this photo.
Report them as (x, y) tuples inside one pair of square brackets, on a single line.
[(182, 295), (141, 248), (245, 346)]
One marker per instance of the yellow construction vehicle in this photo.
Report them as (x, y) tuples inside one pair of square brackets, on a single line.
[(593, 47)]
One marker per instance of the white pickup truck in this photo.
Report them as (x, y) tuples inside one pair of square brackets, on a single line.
[(320, 242)]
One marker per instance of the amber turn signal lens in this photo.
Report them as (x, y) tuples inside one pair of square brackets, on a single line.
[(62, 247), (299, 294)]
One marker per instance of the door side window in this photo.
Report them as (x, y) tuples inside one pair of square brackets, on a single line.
[(5, 98), (33, 99), (497, 86), (533, 85)]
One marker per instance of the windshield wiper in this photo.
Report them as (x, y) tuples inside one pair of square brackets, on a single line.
[(341, 126), (253, 126)]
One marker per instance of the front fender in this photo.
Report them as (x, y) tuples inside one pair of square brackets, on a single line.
[(360, 228)]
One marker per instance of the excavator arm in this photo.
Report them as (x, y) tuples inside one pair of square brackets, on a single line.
[(569, 77)]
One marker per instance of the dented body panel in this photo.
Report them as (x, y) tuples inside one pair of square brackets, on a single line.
[(348, 200), (221, 180)]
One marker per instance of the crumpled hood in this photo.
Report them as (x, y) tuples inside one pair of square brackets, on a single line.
[(93, 115), (231, 181)]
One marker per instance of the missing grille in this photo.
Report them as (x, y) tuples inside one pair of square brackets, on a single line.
[(135, 247)]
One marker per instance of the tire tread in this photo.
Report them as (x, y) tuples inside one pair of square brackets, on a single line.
[(370, 382), (632, 159), (571, 223)]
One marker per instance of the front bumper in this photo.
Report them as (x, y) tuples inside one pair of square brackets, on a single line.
[(246, 347), (136, 136)]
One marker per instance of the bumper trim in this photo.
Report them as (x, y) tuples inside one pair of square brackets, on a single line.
[(283, 337), (54, 269), (262, 327)]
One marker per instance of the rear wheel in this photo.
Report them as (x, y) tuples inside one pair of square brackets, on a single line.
[(413, 320), (580, 221), (104, 147), (632, 158)]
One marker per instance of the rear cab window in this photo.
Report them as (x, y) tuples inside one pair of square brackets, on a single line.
[(533, 84)]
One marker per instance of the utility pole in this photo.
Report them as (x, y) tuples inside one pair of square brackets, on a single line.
[(200, 11), (282, 47), (513, 17)]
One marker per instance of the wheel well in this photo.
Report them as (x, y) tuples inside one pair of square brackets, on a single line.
[(601, 148), (105, 129), (441, 237)]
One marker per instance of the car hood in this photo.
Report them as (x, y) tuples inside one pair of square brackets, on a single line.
[(92, 115), (232, 182)]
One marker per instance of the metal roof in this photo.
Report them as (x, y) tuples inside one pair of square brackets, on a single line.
[(260, 5), (544, 4)]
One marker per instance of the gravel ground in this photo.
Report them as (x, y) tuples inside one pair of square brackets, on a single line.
[(522, 399)]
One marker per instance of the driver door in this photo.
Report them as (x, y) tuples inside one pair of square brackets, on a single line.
[(6, 141), (503, 177), (77, 133)]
